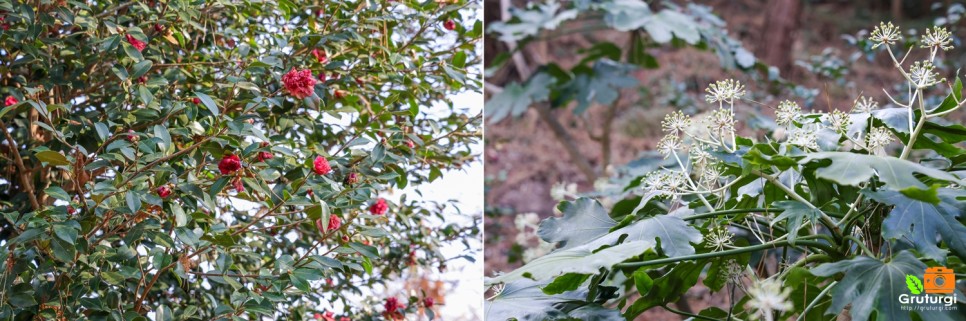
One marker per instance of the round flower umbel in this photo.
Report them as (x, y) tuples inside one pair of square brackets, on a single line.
[(937, 38), (722, 122), (806, 139), (299, 83), (768, 297), (923, 74), (787, 113), (724, 91), (718, 238), (665, 182), (865, 105), (885, 34), (840, 121), (878, 139), (669, 145), (676, 122)]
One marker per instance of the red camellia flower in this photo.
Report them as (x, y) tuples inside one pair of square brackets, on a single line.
[(321, 77), (10, 100), (70, 210), (196, 100), (428, 302), (449, 25), (320, 55), (299, 83), (334, 223), (410, 144), (321, 166), (164, 191), (310, 193), (328, 316), (393, 309), (229, 164), (379, 207), (138, 44)]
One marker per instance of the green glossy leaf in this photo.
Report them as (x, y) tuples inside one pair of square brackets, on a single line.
[(52, 158), (795, 215), (854, 169), (922, 223), (583, 220), (872, 285)]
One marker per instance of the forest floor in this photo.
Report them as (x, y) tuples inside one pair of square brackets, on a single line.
[(524, 160)]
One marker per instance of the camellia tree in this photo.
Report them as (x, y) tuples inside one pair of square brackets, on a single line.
[(855, 213), (206, 160)]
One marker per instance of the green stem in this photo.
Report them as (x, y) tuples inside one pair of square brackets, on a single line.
[(915, 133), (688, 314), (861, 245), (828, 221), (735, 211), (815, 301), (773, 245)]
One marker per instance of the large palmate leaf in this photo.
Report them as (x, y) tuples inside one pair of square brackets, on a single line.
[(870, 284), (583, 220), (515, 99), (523, 300), (796, 213), (922, 222), (674, 233), (531, 20), (853, 169), (580, 260)]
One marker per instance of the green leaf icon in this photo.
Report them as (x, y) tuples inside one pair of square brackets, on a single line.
[(913, 283)]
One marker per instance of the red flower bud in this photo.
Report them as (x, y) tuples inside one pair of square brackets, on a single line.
[(229, 164), (164, 191), (339, 94), (410, 144), (262, 156), (132, 136), (352, 178), (196, 100), (70, 210), (138, 44), (428, 302), (449, 25), (11, 100), (142, 79), (320, 55), (158, 27), (379, 207), (310, 193), (237, 184), (321, 166)]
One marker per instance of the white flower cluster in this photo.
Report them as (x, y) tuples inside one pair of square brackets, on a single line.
[(664, 181), (923, 74), (676, 122), (718, 238), (787, 113), (878, 139), (724, 91), (806, 139), (885, 34), (937, 37), (767, 297), (865, 105), (840, 121)]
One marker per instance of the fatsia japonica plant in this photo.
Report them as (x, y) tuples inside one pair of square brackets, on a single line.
[(215, 160), (833, 213)]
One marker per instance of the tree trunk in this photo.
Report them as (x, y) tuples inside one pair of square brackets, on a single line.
[(782, 20)]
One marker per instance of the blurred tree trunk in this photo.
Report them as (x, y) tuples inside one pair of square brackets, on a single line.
[(782, 20)]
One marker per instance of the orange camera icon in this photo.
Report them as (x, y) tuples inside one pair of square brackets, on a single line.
[(939, 280)]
